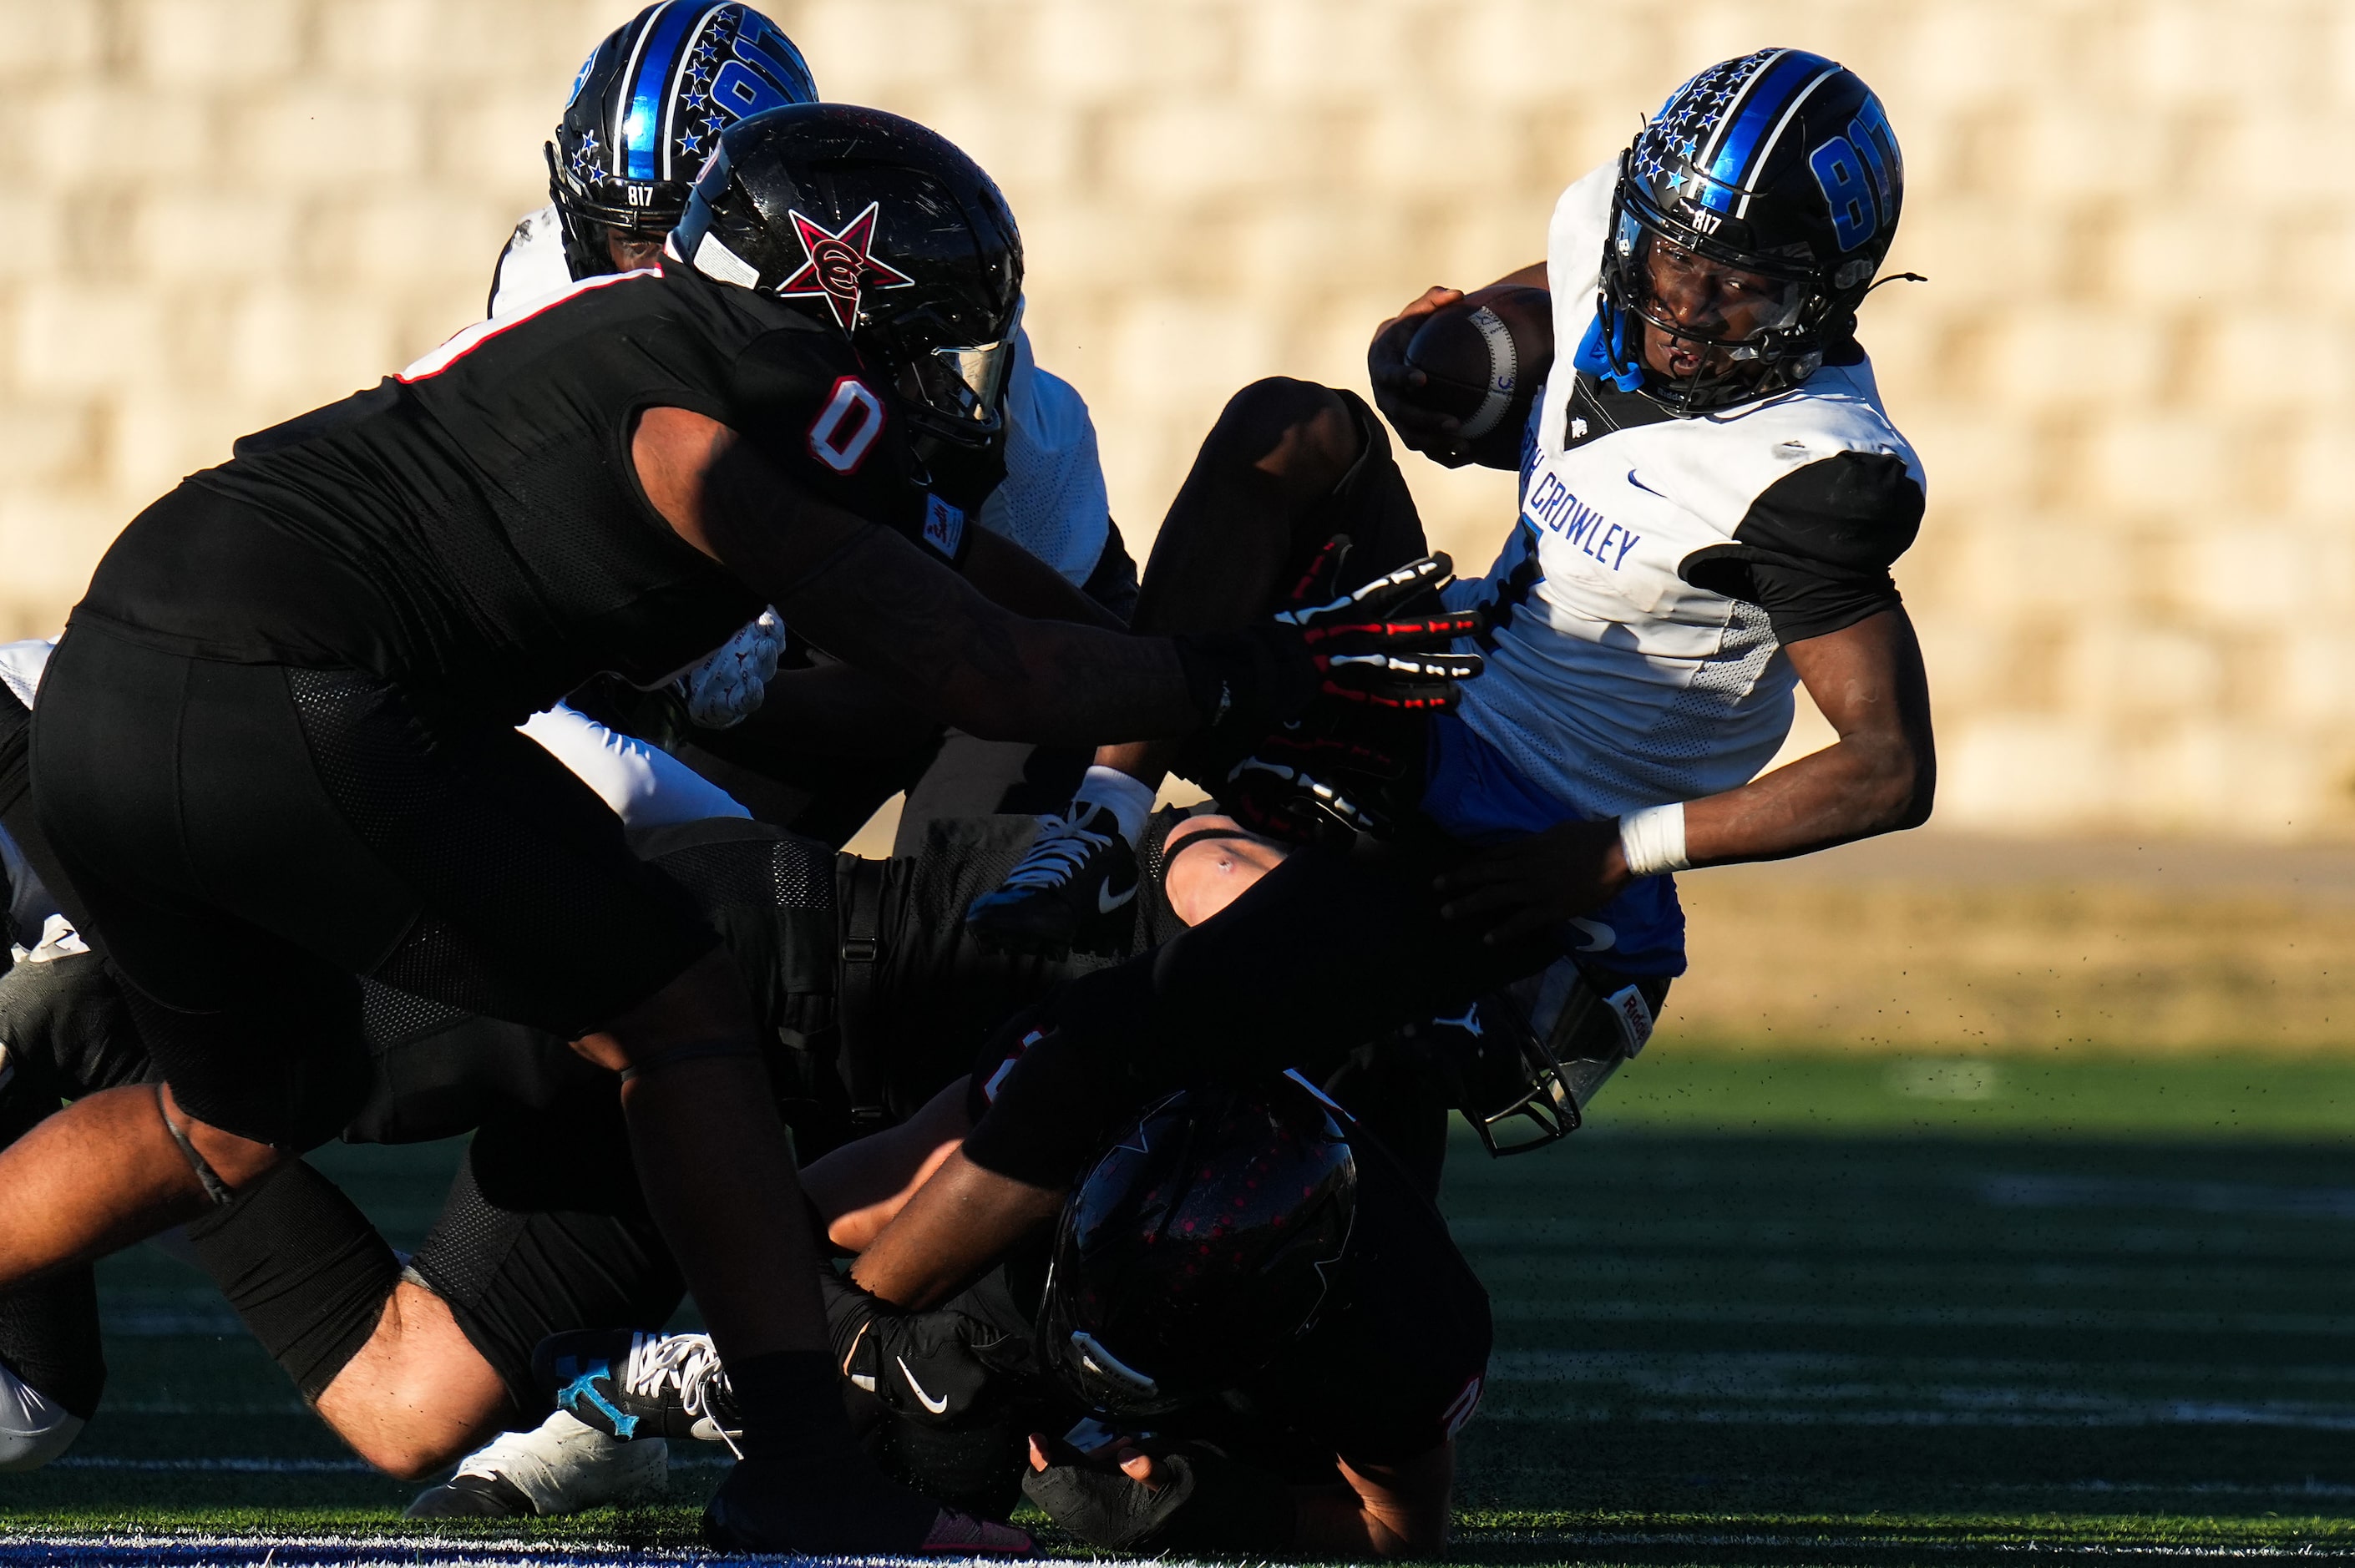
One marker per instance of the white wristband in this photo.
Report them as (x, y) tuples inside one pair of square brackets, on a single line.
[(1654, 840)]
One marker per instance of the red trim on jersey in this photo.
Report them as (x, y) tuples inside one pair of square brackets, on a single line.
[(466, 341)]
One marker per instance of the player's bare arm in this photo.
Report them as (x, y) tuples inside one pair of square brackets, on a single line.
[(875, 599), (1877, 777)]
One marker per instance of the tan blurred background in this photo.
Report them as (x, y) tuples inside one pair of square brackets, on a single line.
[(2136, 581)]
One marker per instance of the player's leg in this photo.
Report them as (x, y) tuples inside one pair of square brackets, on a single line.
[(1288, 465), (52, 1367), (1325, 951), (516, 896)]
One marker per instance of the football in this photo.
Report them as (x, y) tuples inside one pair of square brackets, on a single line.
[(1485, 357)]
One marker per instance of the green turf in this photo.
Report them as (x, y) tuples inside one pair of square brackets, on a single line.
[(1765, 1310)]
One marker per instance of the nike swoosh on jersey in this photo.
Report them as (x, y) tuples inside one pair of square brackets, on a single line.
[(1642, 486), (1598, 935), (1107, 904), (936, 1405)]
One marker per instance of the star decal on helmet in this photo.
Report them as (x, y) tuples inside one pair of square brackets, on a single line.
[(842, 264)]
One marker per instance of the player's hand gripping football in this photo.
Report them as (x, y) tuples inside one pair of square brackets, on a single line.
[(1437, 436)]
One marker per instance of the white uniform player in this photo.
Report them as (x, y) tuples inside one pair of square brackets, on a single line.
[(1708, 481)]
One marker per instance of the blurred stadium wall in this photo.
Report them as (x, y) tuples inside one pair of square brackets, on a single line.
[(2136, 581)]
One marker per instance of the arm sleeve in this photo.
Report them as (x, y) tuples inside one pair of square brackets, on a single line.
[(1815, 548), (644, 786)]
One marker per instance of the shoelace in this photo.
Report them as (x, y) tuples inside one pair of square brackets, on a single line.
[(689, 1362), (1063, 846)]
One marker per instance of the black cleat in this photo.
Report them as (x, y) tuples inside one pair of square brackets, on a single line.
[(633, 1385), (844, 1508), (1076, 888)]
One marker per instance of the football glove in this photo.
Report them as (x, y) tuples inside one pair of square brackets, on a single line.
[(1205, 1502), (1347, 650), (924, 1365), (1303, 785), (725, 688)]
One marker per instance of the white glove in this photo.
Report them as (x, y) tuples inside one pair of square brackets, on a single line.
[(726, 687)]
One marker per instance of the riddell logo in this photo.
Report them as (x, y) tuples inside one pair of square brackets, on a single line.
[(842, 265)]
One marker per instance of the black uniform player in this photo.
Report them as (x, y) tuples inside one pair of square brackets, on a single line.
[(1258, 1335), (828, 744), (283, 757), (869, 997)]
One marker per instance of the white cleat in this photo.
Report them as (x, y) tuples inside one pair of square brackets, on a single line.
[(33, 1428), (558, 1467)]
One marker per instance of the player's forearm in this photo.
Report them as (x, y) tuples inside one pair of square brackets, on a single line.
[(859, 1188), (1057, 684), (1864, 785), (1015, 579), (831, 710)]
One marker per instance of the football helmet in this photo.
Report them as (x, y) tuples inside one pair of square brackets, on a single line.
[(885, 229), (1199, 1246), (1749, 218), (648, 107)]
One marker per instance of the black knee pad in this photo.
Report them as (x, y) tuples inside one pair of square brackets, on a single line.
[(513, 1275), (304, 1269)]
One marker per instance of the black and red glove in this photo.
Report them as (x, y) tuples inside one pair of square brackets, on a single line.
[(1303, 785), (1361, 649)]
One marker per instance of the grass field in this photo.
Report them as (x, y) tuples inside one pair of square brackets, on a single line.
[(1834, 1310)]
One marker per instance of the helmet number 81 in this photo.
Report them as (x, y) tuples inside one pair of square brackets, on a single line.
[(1841, 175)]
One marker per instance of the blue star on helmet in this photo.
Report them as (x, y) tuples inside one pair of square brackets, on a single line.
[(690, 144), (1675, 181), (696, 102), (1689, 146)]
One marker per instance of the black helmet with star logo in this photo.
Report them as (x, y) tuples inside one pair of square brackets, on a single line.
[(648, 107), (884, 229)]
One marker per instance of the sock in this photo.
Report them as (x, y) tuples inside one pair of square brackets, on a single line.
[(1128, 800), (790, 1402), (305, 1270), (49, 1339)]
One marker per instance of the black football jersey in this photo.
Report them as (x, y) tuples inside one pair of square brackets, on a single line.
[(474, 524)]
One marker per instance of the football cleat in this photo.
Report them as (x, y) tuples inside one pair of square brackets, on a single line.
[(558, 1467), (1076, 888), (635, 1385), (844, 1508)]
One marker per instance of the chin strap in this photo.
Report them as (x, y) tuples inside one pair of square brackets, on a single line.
[(215, 1187)]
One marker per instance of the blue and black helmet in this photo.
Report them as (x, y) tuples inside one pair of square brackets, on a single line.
[(649, 108), (1780, 164)]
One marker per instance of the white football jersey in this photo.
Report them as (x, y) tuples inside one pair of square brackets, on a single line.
[(1053, 503), (1615, 682)]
